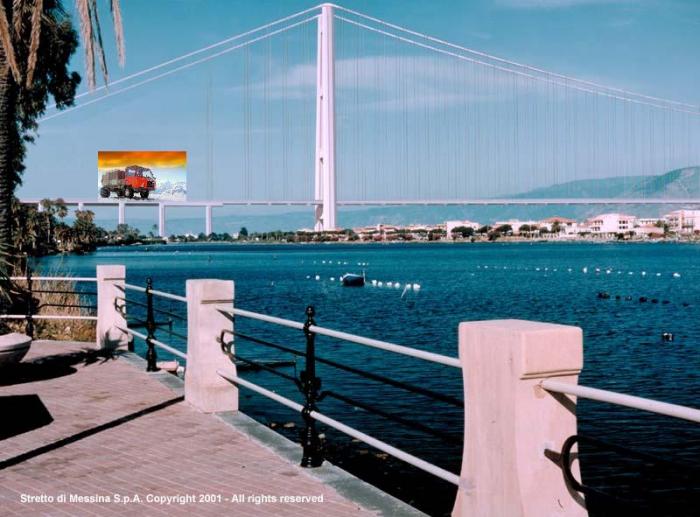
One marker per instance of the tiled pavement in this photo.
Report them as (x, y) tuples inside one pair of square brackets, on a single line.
[(115, 432)]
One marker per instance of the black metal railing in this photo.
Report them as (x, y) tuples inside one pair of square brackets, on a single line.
[(309, 385), (149, 321)]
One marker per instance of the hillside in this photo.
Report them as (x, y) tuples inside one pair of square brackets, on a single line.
[(679, 183)]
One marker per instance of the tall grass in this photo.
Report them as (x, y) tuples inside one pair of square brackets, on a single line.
[(56, 303)]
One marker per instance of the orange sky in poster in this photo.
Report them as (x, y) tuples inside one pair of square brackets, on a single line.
[(156, 159)]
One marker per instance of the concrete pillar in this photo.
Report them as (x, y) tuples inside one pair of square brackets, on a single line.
[(161, 219), (110, 285), (204, 388), (514, 429), (121, 217), (207, 218)]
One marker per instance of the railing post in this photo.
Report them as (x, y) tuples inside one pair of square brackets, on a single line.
[(110, 287), (313, 455), (514, 430), (204, 388), (151, 356), (29, 327)]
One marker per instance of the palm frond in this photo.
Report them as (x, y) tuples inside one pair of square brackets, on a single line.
[(35, 36), (118, 31), (6, 42), (99, 47), (86, 31)]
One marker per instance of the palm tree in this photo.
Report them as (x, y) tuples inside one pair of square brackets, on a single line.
[(36, 41)]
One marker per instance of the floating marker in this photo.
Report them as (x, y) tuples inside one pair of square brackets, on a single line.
[(308, 276), (676, 275), (374, 282), (585, 270), (416, 287), (380, 284), (317, 277), (332, 279)]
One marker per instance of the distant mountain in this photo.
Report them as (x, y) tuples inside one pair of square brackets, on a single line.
[(679, 183)]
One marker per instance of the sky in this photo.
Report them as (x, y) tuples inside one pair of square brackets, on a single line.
[(647, 46)]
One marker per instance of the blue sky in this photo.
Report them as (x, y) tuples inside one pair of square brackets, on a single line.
[(648, 46)]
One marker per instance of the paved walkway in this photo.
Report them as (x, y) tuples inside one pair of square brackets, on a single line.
[(75, 425)]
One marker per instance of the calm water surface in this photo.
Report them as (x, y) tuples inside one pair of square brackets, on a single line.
[(546, 282)]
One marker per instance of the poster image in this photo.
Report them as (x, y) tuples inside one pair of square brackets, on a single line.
[(146, 175)]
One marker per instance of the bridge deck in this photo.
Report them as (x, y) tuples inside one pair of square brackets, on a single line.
[(76, 422)]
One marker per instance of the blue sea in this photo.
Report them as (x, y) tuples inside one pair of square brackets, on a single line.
[(653, 289)]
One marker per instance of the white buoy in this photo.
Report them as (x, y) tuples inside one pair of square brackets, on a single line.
[(408, 286), (676, 275), (332, 279), (323, 262), (631, 273), (607, 271), (374, 282), (585, 270), (416, 287), (644, 273), (380, 284), (308, 276), (537, 269), (658, 274), (317, 277), (397, 285)]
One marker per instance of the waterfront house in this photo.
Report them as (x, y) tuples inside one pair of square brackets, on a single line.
[(609, 225), (684, 222)]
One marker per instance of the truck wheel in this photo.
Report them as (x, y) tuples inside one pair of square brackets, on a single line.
[(129, 192), (104, 192), (144, 194), (120, 192)]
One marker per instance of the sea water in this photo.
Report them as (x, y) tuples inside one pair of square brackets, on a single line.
[(561, 283)]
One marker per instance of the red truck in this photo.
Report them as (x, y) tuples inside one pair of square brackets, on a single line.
[(128, 181)]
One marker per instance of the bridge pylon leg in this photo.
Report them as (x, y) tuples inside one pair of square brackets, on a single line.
[(325, 213)]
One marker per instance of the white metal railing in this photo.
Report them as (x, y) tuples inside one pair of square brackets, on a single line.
[(135, 287), (369, 440), (170, 296), (157, 343), (374, 343), (46, 317), (57, 278), (620, 399)]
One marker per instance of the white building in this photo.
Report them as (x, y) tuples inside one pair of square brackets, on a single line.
[(684, 221), (516, 224), (608, 225), (566, 226)]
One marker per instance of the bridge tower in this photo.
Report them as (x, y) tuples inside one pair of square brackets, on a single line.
[(325, 212)]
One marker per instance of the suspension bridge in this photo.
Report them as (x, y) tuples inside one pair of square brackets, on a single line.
[(331, 107)]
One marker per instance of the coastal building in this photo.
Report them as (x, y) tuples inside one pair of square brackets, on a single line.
[(565, 226), (516, 224), (685, 222), (609, 225)]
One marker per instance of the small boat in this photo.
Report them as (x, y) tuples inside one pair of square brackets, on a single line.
[(353, 280)]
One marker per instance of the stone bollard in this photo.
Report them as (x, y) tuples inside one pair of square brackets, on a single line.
[(204, 388), (110, 286), (513, 429)]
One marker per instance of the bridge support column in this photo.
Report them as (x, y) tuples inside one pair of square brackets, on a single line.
[(207, 217), (120, 210), (161, 220), (325, 213)]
